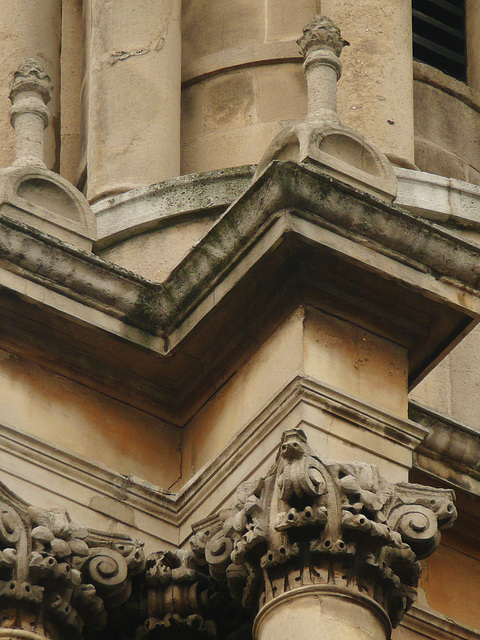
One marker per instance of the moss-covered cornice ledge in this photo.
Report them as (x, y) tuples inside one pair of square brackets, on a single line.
[(292, 226)]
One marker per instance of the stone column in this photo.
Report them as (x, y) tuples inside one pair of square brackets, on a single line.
[(131, 131), (473, 40), (319, 549), (376, 93), (30, 29)]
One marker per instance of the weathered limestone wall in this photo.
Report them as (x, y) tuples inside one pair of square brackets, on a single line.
[(473, 43), (30, 29), (309, 343), (86, 422), (71, 88), (243, 79), (376, 91), (451, 576), (131, 94), (451, 388)]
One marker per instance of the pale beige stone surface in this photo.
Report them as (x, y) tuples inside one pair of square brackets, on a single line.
[(230, 119), (473, 38), (453, 386), (71, 84), (446, 127), (30, 29), (356, 360), (309, 343), (309, 613), (154, 255), (376, 93), (87, 422)]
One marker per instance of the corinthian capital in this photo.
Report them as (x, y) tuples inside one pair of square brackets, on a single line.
[(316, 521), (57, 578)]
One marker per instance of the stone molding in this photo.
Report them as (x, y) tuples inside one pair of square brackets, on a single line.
[(164, 204), (438, 198), (167, 203), (450, 452), (57, 578), (430, 624), (192, 501), (315, 521), (123, 295)]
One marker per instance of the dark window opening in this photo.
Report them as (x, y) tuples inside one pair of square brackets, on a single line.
[(439, 35)]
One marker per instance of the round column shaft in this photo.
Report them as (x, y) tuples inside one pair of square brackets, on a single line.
[(320, 612), (376, 93), (131, 97)]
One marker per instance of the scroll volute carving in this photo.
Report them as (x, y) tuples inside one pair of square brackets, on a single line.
[(313, 520), (56, 576)]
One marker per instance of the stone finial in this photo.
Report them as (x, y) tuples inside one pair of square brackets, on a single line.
[(322, 141), (321, 33), (30, 76), (316, 521), (30, 92)]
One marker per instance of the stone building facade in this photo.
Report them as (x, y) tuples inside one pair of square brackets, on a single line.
[(239, 286)]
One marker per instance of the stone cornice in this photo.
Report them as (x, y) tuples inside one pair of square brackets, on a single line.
[(430, 624), (451, 451), (289, 213), (390, 231)]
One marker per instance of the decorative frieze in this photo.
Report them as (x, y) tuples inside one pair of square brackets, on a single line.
[(316, 521)]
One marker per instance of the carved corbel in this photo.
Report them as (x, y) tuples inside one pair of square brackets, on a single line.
[(316, 521)]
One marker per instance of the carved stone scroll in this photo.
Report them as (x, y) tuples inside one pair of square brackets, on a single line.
[(57, 578), (316, 521)]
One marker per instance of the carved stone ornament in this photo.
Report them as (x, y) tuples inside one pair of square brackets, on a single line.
[(185, 600), (315, 521), (30, 76), (57, 578), (322, 141), (320, 33)]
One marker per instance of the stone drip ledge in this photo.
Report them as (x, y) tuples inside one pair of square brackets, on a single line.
[(450, 452), (212, 192), (166, 203), (437, 198), (147, 312)]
